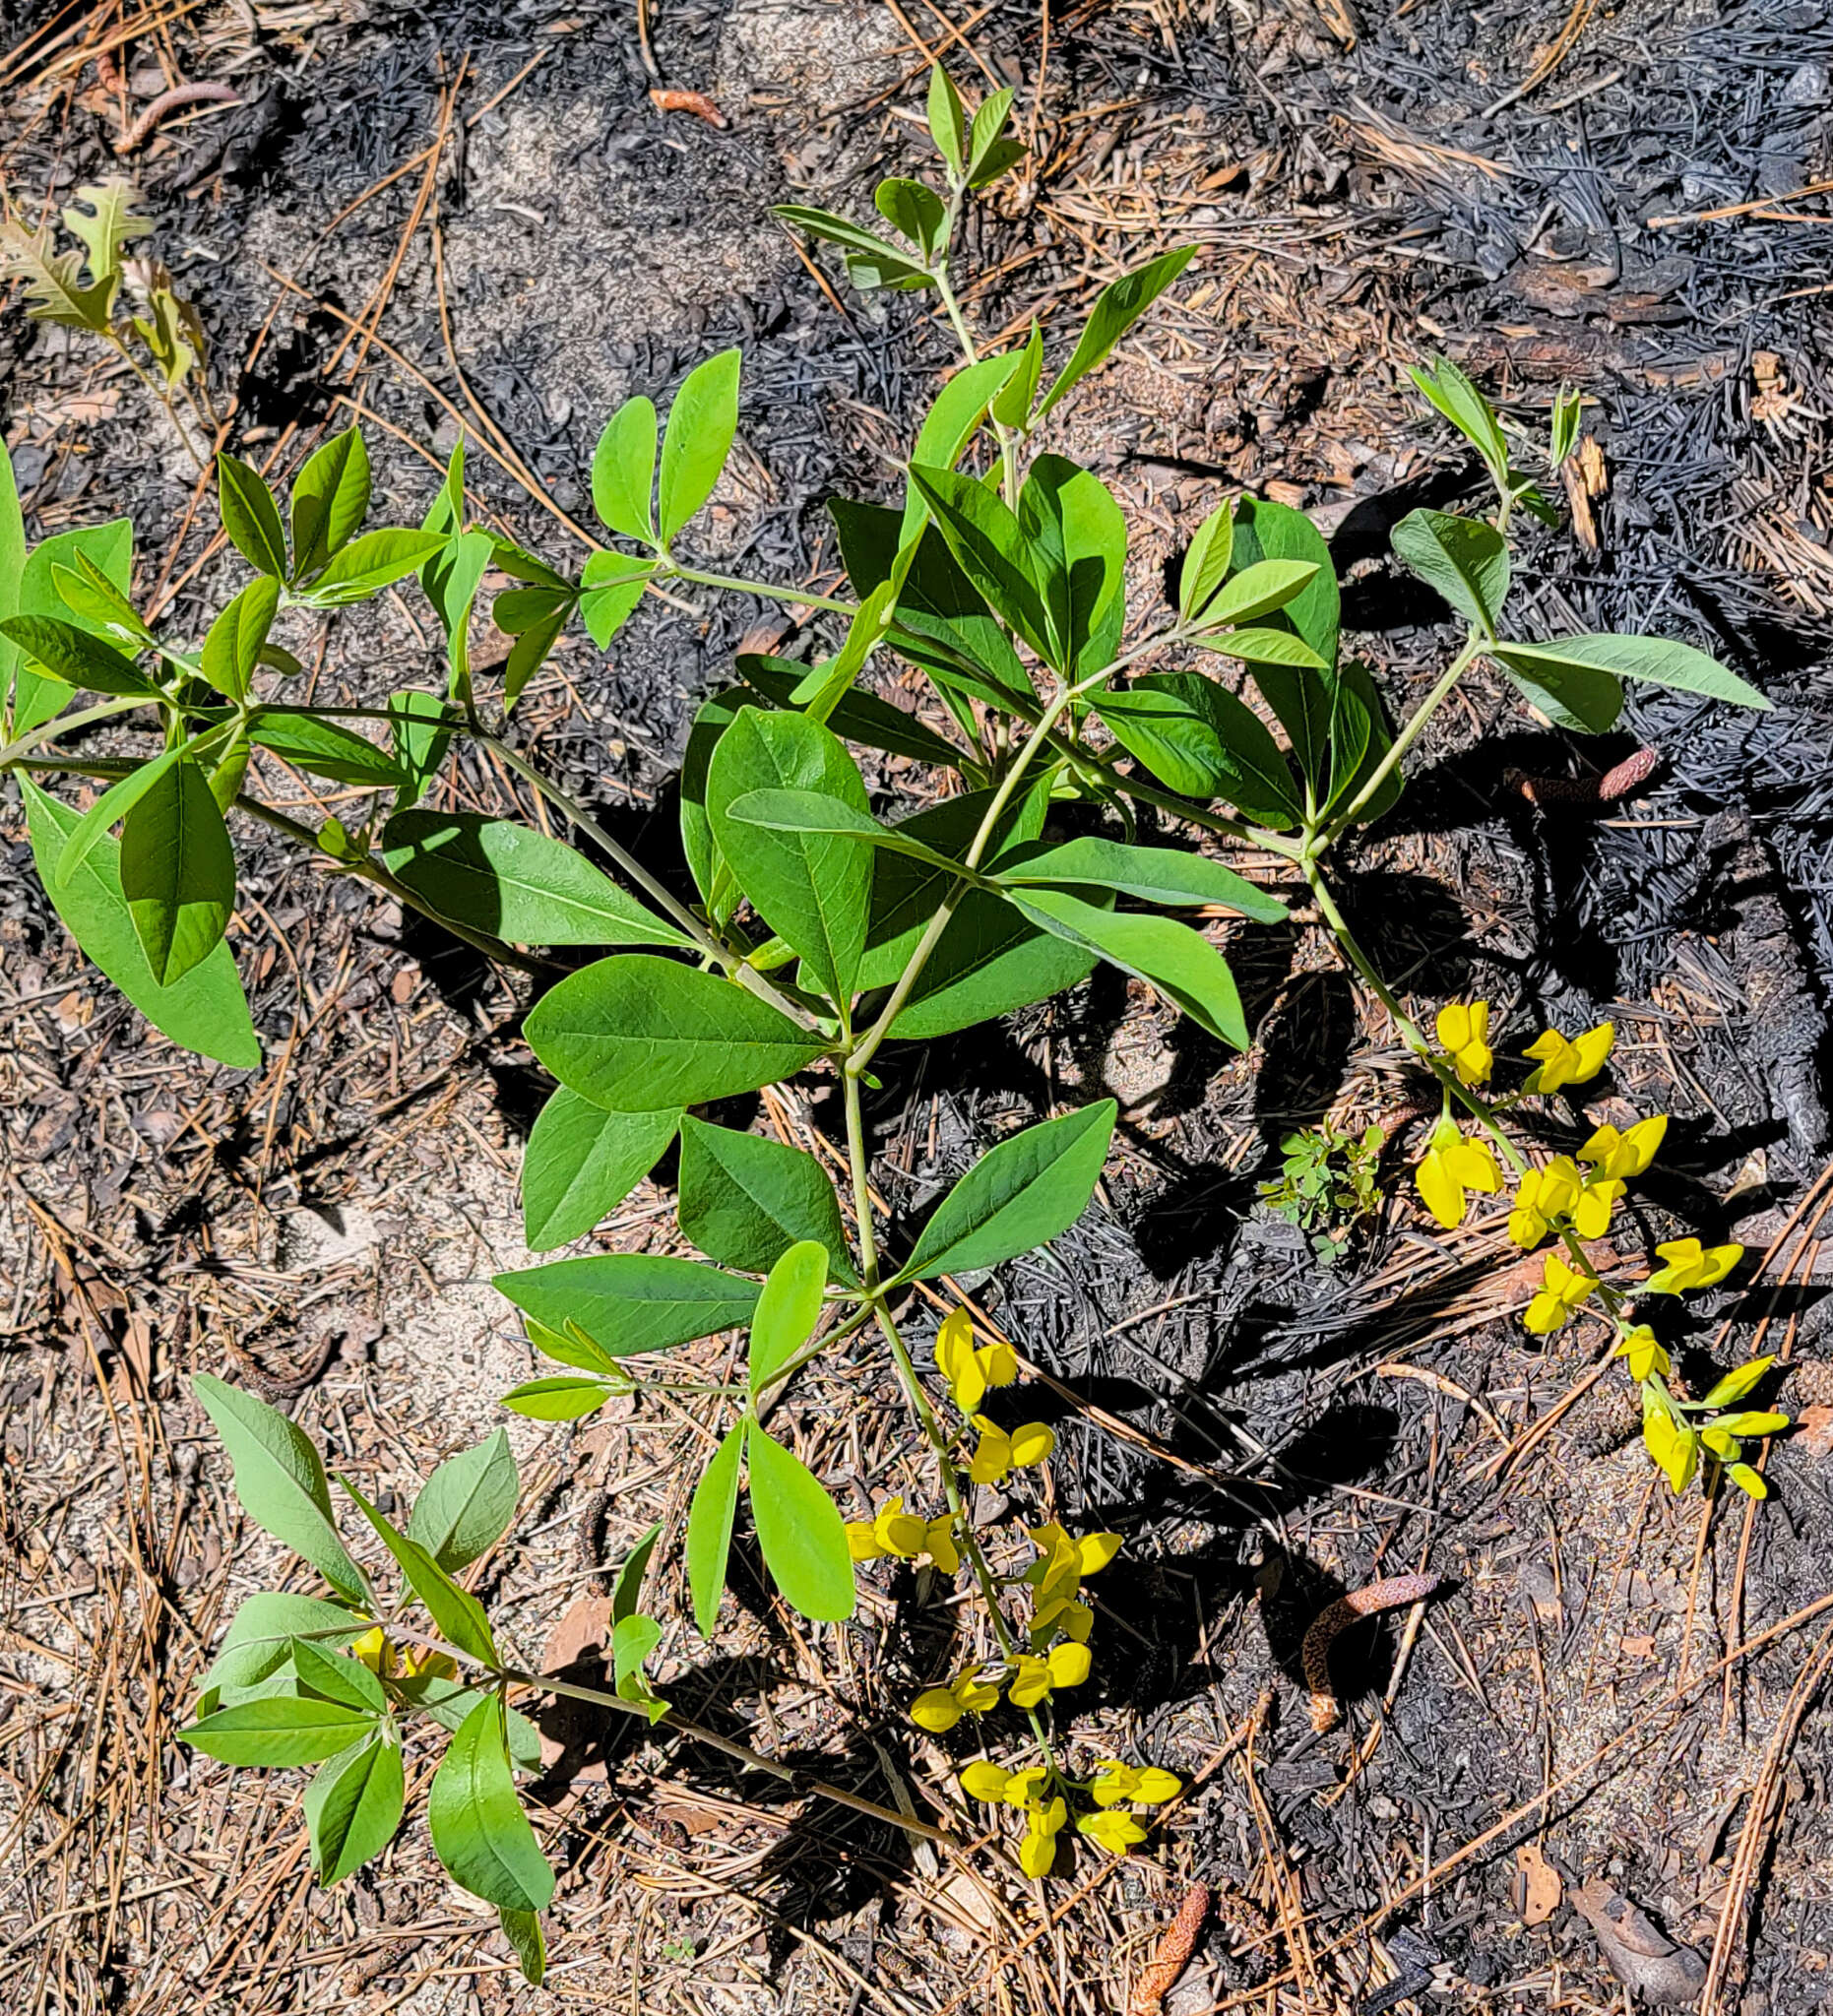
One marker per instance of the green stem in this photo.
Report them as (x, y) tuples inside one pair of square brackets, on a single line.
[(733, 963), (766, 591), (62, 723)]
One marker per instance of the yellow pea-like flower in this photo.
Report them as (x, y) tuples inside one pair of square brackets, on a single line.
[(1068, 1664), (374, 1651), (1024, 1787), (1562, 1290), (939, 1543), (970, 1372), (1032, 1444), (1691, 1265), (899, 1531), (1644, 1352), (1031, 1683), (863, 1541), (991, 1460), (1115, 1831), (1591, 1214), (1115, 1783), (1064, 1617), (1037, 1851), (1094, 1551), (1450, 1167), (985, 1782), (1674, 1449), (1566, 1060), (936, 1710), (1628, 1154), (1464, 1035)]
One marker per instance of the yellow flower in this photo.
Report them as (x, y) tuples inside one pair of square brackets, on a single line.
[(939, 1543), (1023, 1787), (1452, 1165), (998, 1453), (971, 1372), (1568, 1061), (422, 1662), (1037, 1851), (1591, 1215), (938, 1708), (1068, 1664), (374, 1651), (985, 1782), (1628, 1154), (1065, 1617), (893, 1532), (1115, 1832), (1094, 1551), (1562, 1290), (1464, 1032), (1691, 1265), (1115, 1783), (1031, 1683), (1675, 1449), (1643, 1348)]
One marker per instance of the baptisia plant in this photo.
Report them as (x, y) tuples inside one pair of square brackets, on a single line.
[(1088, 758)]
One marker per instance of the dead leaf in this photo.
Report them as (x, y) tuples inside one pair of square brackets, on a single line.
[(1814, 1431), (695, 102), (1537, 1888), (1638, 1952)]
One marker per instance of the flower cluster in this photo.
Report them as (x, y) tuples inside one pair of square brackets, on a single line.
[(1572, 1198), (903, 1534), (1113, 1786)]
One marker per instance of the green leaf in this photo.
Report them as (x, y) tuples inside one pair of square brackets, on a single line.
[(1256, 647), (1568, 413), (788, 1309), (465, 1507), (368, 564), (77, 656), (513, 882), (856, 717), (280, 1480), (719, 890), (451, 577), (326, 749), (1119, 307), (456, 1613), (627, 1589), (1356, 688), (1206, 563), (1198, 739), (1012, 403), (417, 725), (560, 1397), (1466, 559), (1076, 536), (330, 500), (1017, 1197), (104, 220), (479, 1831), (36, 698), (111, 807), (258, 1643), (1175, 959), (205, 1011), (835, 231), (1002, 155), (745, 1200), (990, 547), (278, 1730), (333, 1678), (1583, 698), (1259, 589), (633, 1640), (811, 889), (629, 1302), (915, 210), (623, 472), (948, 122), (233, 649), (581, 1162), (828, 683), (990, 125), (1300, 702), (636, 1034), (97, 605), (799, 1532), (250, 516), (710, 1530), (449, 1701), (817, 812), (177, 871), (352, 1807), (701, 424), (1447, 389), (1156, 874), (528, 1943), (613, 585), (1659, 660)]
